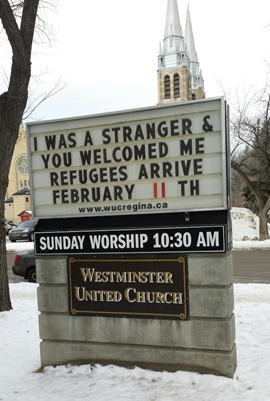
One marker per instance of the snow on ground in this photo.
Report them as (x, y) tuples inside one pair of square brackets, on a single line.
[(245, 224), (20, 361), (246, 230), (21, 380)]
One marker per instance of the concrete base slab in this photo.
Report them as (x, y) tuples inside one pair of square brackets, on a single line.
[(154, 358)]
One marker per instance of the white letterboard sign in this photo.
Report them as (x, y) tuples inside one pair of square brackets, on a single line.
[(153, 160)]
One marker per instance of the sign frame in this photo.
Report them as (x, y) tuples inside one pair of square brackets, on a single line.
[(180, 239), (103, 303), (139, 205)]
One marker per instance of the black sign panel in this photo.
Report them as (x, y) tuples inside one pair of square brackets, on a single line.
[(153, 287), (121, 241)]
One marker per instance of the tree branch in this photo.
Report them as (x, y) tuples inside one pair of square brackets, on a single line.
[(58, 87), (28, 22), (12, 31)]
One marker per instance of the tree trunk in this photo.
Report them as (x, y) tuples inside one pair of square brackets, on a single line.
[(8, 137), (12, 106), (5, 156), (11, 111), (263, 224), (5, 303), (262, 205)]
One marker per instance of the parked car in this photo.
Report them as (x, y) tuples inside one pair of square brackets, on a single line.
[(25, 266), (24, 231), (8, 227)]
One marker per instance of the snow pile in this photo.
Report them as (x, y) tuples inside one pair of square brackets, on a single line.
[(19, 246), (245, 224)]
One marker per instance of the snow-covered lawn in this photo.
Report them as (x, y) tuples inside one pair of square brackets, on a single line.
[(20, 361)]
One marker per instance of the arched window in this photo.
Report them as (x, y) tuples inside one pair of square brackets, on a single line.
[(176, 85), (167, 87), (193, 97)]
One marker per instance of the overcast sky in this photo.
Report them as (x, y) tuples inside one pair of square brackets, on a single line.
[(107, 51)]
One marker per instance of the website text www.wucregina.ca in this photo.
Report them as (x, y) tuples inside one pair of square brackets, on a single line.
[(133, 208)]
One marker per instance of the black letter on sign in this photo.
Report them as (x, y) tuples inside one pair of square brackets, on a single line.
[(206, 126), (186, 124), (88, 139), (72, 140), (35, 144)]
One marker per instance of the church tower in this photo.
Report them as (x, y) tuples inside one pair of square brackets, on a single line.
[(179, 75), (197, 83)]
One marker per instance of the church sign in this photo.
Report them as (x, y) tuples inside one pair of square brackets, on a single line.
[(154, 160), (135, 288), (148, 240)]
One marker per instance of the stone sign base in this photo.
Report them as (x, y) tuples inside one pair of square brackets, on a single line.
[(203, 344)]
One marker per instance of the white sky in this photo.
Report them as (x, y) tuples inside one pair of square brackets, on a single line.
[(107, 51)]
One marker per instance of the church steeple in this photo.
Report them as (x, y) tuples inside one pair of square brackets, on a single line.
[(173, 34), (176, 73), (197, 83), (174, 52)]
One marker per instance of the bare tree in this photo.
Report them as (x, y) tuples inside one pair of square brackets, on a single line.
[(250, 126), (18, 19)]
